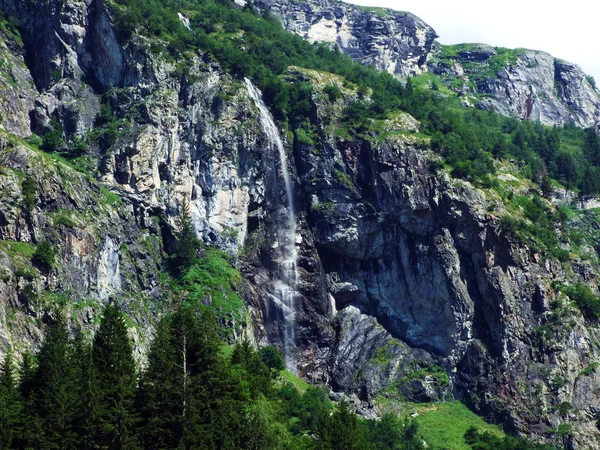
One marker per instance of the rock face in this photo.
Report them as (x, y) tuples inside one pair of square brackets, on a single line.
[(407, 281), (529, 85), (526, 84), (397, 42)]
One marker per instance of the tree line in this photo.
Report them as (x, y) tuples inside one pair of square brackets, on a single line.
[(192, 394)]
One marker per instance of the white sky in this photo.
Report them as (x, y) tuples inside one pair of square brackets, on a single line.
[(569, 30)]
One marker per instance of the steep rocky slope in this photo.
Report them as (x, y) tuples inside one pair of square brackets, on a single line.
[(527, 84), (408, 283), (398, 42), (521, 83)]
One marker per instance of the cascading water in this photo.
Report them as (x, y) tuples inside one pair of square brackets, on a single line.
[(284, 291)]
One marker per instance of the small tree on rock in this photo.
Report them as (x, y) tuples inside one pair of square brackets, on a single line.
[(186, 242)]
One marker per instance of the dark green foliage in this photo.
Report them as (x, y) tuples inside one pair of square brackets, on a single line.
[(392, 433), (10, 404), (86, 395), (333, 92), (77, 147), (183, 361), (44, 255), (256, 373), (53, 392), (107, 128), (186, 243), (341, 430), (29, 191), (306, 412), (190, 396), (115, 382), (53, 141), (163, 389), (583, 297), (29, 421), (486, 441), (272, 358)]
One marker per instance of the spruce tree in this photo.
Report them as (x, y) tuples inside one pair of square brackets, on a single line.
[(10, 405), (53, 396), (341, 430), (162, 393), (217, 400), (186, 242), (30, 426), (86, 395), (255, 372), (115, 382)]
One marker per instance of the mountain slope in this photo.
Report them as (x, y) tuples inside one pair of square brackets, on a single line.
[(520, 83), (411, 281)]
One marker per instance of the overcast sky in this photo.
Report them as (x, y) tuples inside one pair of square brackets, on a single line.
[(568, 30)]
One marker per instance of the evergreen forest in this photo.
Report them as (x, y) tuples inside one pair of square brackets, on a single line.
[(195, 392)]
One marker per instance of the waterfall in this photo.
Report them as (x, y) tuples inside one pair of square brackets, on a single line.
[(284, 291)]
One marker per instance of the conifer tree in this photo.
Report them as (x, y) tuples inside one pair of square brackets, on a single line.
[(86, 395), (115, 382), (256, 373), (186, 390), (341, 431), (53, 387), (10, 404), (30, 427), (186, 241), (162, 393), (213, 409)]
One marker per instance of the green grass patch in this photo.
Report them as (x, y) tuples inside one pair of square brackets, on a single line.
[(63, 217), (109, 198), (288, 377), (14, 248), (443, 425), (381, 12), (431, 81), (213, 282)]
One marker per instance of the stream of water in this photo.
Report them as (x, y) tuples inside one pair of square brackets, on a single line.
[(285, 293)]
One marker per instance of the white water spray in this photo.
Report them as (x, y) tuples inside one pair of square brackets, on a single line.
[(285, 288)]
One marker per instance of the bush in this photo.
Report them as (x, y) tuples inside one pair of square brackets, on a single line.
[(272, 358), (53, 140), (333, 92), (585, 300), (35, 140), (29, 190), (44, 255)]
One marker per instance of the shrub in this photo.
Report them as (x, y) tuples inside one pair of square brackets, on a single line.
[(272, 358), (564, 408), (29, 190), (333, 92), (44, 255), (35, 140), (52, 141), (585, 300)]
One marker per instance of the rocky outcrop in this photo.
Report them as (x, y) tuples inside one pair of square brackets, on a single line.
[(101, 253), (521, 83), (427, 257), (397, 42), (526, 84)]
